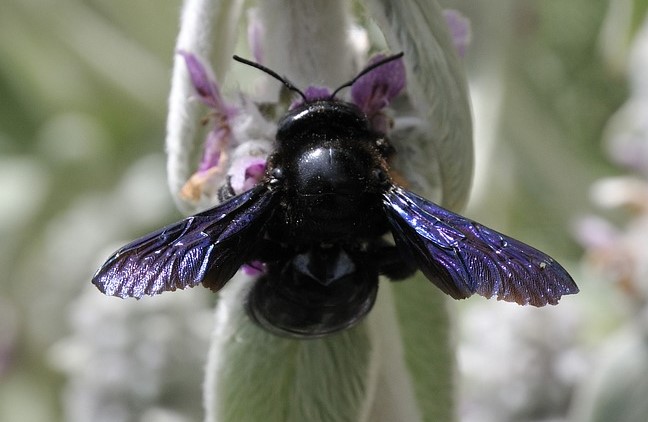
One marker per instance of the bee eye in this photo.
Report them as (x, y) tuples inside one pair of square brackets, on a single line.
[(277, 174)]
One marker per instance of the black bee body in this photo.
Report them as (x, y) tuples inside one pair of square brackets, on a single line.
[(328, 225), (333, 174), (317, 220)]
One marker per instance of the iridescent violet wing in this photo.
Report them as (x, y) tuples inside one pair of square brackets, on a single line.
[(463, 257), (205, 248)]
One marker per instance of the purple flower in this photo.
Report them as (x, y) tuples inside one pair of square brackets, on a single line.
[(459, 29), (204, 83), (255, 35), (215, 143), (219, 138), (375, 90), (207, 89), (254, 268), (246, 172), (314, 93)]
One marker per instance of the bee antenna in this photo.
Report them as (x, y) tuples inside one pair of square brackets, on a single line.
[(367, 70), (272, 73)]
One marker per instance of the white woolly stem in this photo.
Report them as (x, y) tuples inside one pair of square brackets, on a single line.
[(253, 375), (393, 398), (208, 29), (437, 87), (308, 41)]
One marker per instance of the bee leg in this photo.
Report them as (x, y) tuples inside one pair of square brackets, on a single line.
[(390, 261), (226, 191)]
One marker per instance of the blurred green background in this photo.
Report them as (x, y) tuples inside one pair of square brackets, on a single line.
[(83, 91)]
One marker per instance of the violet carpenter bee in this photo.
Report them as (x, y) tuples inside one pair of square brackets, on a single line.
[(319, 219)]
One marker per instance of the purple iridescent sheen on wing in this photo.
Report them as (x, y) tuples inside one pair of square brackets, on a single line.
[(205, 248), (463, 257)]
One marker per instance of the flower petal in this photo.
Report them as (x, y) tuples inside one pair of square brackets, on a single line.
[(246, 172), (314, 93), (214, 147), (375, 90), (255, 33), (202, 80), (459, 29)]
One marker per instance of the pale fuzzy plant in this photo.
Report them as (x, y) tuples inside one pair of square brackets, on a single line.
[(616, 388), (519, 364), (123, 360), (397, 364), (138, 361)]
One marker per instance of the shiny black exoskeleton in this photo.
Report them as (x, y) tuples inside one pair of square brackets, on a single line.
[(328, 225), (317, 220)]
